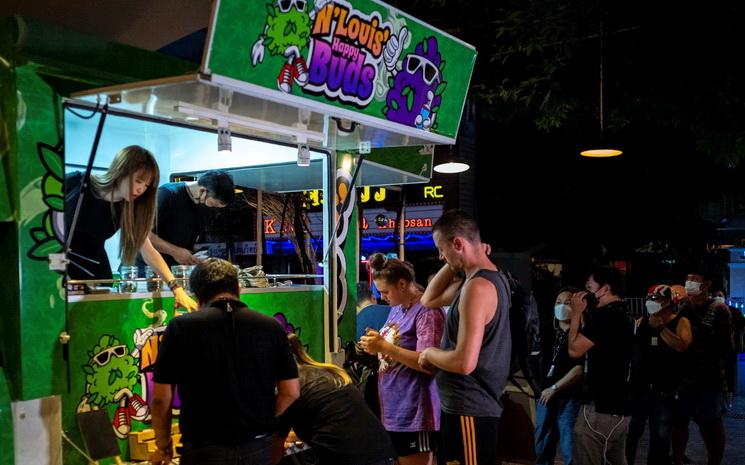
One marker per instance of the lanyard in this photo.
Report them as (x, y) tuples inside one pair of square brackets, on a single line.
[(557, 348)]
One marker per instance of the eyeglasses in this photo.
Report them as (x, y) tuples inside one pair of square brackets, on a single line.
[(285, 5), (103, 358), (430, 71)]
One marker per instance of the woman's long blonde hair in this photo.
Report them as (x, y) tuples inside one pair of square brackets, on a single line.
[(136, 220), (341, 378)]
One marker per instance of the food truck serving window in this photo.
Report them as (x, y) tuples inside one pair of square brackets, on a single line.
[(264, 173)]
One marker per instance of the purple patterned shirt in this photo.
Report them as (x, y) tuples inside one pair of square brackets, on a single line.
[(408, 398)]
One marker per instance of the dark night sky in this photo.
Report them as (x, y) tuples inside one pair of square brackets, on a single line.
[(674, 75)]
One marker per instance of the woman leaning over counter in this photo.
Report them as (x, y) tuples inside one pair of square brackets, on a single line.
[(123, 198)]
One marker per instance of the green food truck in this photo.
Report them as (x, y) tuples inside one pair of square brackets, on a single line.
[(327, 96)]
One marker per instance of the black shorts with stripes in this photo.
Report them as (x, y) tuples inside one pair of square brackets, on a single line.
[(466, 440), (408, 443)]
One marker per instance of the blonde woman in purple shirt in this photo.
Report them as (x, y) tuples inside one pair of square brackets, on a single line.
[(409, 405)]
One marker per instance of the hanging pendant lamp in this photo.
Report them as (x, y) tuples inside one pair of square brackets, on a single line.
[(451, 164), (601, 148)]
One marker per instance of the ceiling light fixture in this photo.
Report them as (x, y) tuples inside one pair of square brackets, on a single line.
[(451, 164), (601, 149), (452, 167)]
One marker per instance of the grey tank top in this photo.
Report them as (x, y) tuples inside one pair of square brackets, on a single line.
[(478, 393)]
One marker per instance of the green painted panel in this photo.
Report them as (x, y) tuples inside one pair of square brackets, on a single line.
[(348, 321), (6, 423), (39, 177), (111, 341), (363, 56), (7, 128), (301, 313), (10, 334), (415, 160), (88, 61), (7, 131), (114, 341)]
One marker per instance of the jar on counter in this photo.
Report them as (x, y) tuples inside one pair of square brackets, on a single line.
[(126, 273), (181, 274), (154, 283)]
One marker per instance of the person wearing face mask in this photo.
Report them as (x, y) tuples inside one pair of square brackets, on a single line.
[(603, 421), (409, 403), (661, 338), (709, 377), (556, 411), (180, 209), (738, 321)]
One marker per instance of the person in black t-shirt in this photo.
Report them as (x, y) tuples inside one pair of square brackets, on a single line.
[(657, 373), (227, 362), (122, 199), (179, 219), (603, 422), (557, 408), (709, 375), (332, 417)]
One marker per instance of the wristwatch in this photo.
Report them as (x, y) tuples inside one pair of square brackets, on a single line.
[(174, 284), (554, 387)]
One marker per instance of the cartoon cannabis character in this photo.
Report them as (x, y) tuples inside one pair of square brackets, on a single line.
[(111, 374), (286, 33), (416, 89), (49, 236)]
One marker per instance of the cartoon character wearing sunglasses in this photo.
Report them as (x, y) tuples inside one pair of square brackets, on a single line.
[(286, 33), (416, 93), (110, 376)]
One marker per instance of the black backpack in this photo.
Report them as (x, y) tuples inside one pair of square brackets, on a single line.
[(526, 337)]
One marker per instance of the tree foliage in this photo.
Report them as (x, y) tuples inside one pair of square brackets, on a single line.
[(667, 64)]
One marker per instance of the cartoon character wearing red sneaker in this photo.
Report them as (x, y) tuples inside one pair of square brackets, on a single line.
[(286, 33), (111, 376)]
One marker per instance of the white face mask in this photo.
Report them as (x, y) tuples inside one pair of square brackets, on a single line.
[(562, 312), (653, 307), (693, 288), (720, 299)]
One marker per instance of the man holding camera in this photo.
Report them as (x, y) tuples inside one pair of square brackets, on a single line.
[(603, 422)]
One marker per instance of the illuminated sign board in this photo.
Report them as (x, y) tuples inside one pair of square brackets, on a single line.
[(376, 221), (369, 194)]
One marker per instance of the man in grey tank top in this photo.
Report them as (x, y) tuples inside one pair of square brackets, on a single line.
[(473, 360)]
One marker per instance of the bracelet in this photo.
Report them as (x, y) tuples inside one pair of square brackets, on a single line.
[(174, 284)]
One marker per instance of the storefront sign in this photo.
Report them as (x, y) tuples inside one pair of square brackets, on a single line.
[(390, 223), (379, 194), (363, 56), (418, 219)]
